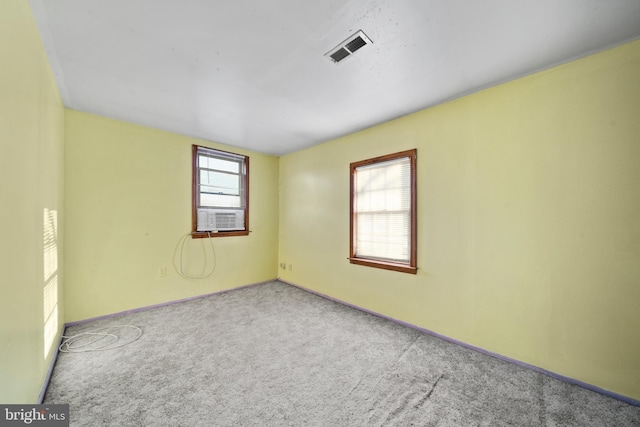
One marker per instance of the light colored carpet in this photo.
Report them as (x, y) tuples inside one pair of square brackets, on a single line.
[(275, 355)]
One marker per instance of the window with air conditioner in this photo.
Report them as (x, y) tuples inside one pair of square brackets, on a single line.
[(383, 212), (220, 193)]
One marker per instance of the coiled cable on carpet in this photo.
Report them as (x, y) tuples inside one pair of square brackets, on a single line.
[(100, 339)]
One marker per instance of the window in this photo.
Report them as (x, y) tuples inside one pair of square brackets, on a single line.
[(383, 212), (220, 193)]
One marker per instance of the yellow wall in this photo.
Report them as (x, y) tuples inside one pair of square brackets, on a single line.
[(31, 193), (529, 220), (128, 203)]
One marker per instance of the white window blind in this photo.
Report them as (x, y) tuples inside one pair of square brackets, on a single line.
[(382, 210)]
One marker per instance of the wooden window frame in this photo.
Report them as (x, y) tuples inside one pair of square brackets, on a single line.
[(411, 266), (195, 234)]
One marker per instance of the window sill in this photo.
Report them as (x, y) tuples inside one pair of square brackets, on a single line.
[(205, 234), (403, 268)]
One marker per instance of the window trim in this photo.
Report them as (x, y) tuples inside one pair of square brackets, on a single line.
[(195, 234), (410, 267)]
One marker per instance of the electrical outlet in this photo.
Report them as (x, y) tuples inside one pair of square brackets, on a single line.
[(162, 272)]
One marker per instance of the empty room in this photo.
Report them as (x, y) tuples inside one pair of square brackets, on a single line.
[(339, 213)]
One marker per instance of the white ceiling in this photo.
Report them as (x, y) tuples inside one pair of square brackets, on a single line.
[(252, 73)]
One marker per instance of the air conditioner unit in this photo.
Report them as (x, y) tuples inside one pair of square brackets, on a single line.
[(220, 219)]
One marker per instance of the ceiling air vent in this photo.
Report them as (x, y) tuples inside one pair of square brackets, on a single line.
[(348, 47)]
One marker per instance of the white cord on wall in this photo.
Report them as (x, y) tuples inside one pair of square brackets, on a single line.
[(179, 267)]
